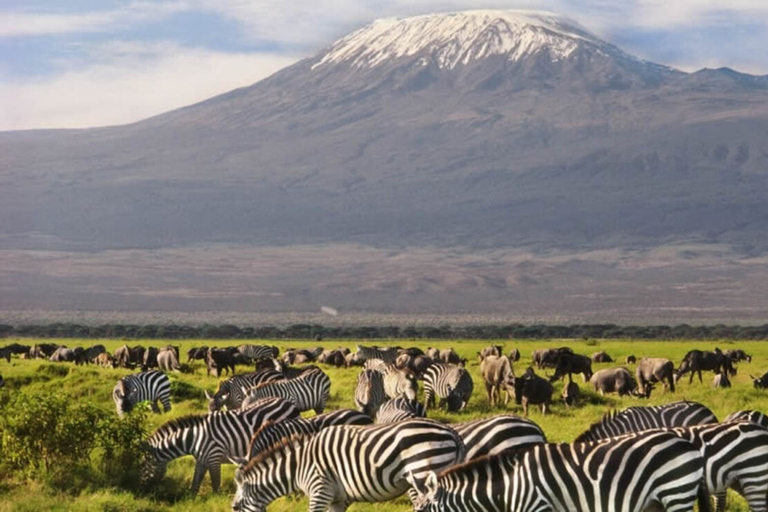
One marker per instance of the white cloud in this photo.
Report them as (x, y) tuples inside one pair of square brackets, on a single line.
[(140, 80)]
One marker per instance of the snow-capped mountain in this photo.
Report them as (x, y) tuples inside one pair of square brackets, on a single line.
[(483, 130)]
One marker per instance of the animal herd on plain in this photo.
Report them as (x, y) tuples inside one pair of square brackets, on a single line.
[(668, 457)]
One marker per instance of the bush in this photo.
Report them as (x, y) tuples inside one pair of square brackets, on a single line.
[(54, 370), (122, 449)]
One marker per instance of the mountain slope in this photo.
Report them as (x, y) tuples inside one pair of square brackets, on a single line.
[(482, 130)]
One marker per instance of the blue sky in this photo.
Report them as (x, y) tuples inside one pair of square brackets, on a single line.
[(81, 63)]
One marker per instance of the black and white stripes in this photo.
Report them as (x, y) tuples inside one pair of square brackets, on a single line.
[(369, 393), (231, 392), (310, 390), (451, 384), (151, 386)]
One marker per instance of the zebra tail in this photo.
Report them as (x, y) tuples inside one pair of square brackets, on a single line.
[(703, 498)]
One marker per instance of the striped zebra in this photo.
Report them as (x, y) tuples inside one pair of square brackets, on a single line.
[(256, 352), (311, 390), (636, 419), (148, 386), (386, 354), (230, 392), (396, 410), (490, 436), (369, 393), (653, 470), (272, 433), (451, 384), (212, 438), (345, 464), (751, 416), (397, 383)]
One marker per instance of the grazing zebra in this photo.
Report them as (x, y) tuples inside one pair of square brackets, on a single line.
[(230, 393), (386, 354), (311, 390), (369, 394), (397, 383), (140, 387), (400, 409), (491, 436), (751, 416), (349, 463), (632, 473), (452, 384), (271, 433), (212, 438), (636, 419), (256, 352)]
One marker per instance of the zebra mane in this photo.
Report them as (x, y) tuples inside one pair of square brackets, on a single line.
[(264, 426), (607, 418), (509, 454), (273, 450), (179, 423)]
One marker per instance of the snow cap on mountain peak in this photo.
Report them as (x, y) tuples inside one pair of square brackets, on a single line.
[(460, 37)]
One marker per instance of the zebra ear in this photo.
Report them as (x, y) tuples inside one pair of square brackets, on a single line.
[(208, 395), (432, 483), (417, 486)]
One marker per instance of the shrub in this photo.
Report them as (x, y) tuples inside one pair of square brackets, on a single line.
[(54, 370), (122, 448)]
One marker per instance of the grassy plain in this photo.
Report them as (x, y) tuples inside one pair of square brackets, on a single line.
[(562, 425)]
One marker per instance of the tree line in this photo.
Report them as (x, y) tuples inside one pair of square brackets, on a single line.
[(316, 331)]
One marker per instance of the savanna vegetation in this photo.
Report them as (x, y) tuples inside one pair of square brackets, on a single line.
[(63, 447)]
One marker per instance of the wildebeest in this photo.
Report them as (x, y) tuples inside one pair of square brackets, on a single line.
[(761, 382), (218, 359), (332, 357), (548, 357), (150, 358), (721, 380), (617, 380), (5, 353), (601, 357), (105, 360), (417, 364), (129, 357), (532, 389), (449, 356), (42, 350), (353, 359), (631, 359), (514, 355), (16, 348), (197, 354), (493, 350), (411, 351), (68, 355), (569, 363), (655, 369), (498, 375), (434, 353), (697, 360), (300, 356), (571, 394), (168, 360), (91, 353), (738, 355)]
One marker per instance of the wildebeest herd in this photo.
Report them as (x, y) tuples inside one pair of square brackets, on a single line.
[(667, 457)]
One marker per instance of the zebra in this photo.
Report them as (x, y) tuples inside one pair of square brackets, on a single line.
[(369, 394), (396, 410), (636, 419), (212, 439), (230, 392), (348, 463), (311, 390), (397, 382), (752, 416), (386, 354), (145, 386), (632, 473), (272, 433), (490, 436), (256, 352), (452, 384)]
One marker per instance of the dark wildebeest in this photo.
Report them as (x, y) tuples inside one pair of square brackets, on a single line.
[(697, 360), (449, 356), (721, 380), (196, 354), (150, 358), (333, 357), (569, 363), (532, 389), (417, 364), (514, 355), (5, 353), (618, 380), (655, 369), (738, 355), (168, 359), (760, 383), (68, 355), (571, 394), (548, 357), (42, 350), (105, 360), (126, 357), (631, 359), (498, 375), (91, 353), (300, 356), (219, 359), (411, 351), (16, 348), (601, 357), (493, 350)]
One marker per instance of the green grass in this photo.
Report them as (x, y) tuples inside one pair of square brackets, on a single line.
[(563, 424)]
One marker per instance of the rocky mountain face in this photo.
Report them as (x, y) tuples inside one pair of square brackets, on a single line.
[(475, 132)]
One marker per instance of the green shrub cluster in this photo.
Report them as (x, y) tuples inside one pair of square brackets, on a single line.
[(67, 445)]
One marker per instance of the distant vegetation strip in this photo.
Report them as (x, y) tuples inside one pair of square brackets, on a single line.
[(317, 331)]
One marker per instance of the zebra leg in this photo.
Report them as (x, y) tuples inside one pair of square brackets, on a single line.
[(166, 403), (321, 497), (155, 408), (720, 501), (197, 480), (215, 470)]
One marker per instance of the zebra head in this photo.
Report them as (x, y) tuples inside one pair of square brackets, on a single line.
[(428, 494), (218, 399), (124, 398)]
